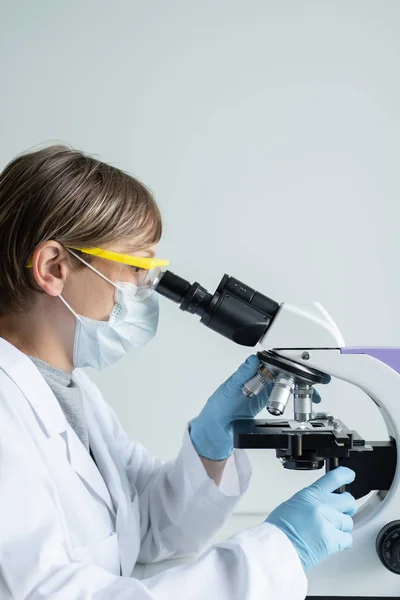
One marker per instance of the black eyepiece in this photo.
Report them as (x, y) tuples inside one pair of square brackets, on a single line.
[(173, 287), (235, 310)]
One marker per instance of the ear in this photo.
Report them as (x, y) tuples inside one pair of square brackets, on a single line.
[(50, 267)]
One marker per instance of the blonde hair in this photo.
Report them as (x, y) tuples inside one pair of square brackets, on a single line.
[(61, 194)]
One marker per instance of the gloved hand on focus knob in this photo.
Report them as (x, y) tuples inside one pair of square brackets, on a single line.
[(211, 432), (317, 521)]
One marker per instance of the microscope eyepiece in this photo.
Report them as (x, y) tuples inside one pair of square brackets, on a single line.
[(172, 287), (193, 298), (235, 310)]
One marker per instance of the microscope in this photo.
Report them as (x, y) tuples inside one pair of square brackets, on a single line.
[(302, 347)]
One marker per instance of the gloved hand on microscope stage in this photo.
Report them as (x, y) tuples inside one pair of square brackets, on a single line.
[(317, 521), (211, 432)]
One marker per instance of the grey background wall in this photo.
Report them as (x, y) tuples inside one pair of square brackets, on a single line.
[(269, 133)]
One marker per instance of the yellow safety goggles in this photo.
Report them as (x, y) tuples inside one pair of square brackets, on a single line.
[(126, 259)]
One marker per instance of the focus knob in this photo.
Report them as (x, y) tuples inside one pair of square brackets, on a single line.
[(388, 546)]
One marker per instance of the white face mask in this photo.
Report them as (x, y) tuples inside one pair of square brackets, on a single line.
[(132, 323)]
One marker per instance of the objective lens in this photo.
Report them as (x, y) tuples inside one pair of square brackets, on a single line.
[(280, 395), (256, 384), (302, 402)]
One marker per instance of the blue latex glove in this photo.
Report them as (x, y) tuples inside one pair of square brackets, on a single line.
[(211, 431), (318, 522)]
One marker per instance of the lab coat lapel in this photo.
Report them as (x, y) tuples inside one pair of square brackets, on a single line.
[(111, 467), (26, 376), (104, 449), (62, 438), (83, 465), (106, 465)]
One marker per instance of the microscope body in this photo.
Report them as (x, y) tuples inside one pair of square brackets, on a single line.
[(302, 347), (371, 568)]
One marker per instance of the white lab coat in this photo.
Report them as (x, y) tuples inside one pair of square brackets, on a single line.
[(72, 531)]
